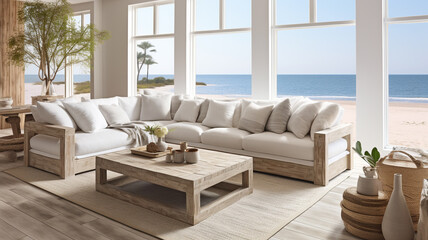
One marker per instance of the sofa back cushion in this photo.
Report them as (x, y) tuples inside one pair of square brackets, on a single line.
[(329, 116), (203, 109), (155, 107), (55, 114), (220, 114), (114, 114), (132, 107), (87, 116), (103, 101), (36, 114), (301, 120), (278, 119), (254, 118), (188, 111)]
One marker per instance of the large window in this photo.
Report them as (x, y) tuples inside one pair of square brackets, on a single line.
[(315, 51), (80, 78), (407, 56), (222, 48), (153, 41)]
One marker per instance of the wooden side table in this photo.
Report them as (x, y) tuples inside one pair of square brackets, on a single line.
[(14, 142), (47, 98), (362, 215)]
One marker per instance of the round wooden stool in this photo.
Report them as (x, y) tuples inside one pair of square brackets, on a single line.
[(362, 215)]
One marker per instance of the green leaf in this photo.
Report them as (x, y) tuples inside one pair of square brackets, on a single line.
[(358, 146), (375, 155)]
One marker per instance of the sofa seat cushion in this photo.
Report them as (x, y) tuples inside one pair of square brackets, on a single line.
[(86, 143), (185, 131), (288, 145), (161, 123), (224, 137)]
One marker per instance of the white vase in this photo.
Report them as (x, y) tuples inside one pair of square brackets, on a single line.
[(162, 146), (423, 218), (51, 89), (397, 223)]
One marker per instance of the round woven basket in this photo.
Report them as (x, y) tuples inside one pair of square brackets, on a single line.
[(413, 171)]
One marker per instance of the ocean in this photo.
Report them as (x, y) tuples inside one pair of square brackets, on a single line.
[(413, 88)]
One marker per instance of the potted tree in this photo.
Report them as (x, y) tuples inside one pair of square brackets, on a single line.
[(52, 39)]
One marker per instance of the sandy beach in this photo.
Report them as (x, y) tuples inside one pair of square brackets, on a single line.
[(408, 122)]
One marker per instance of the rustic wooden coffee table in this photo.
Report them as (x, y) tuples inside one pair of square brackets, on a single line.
[(212, 171)]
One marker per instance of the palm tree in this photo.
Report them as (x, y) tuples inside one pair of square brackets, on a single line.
[(143, 56), (149, 61)]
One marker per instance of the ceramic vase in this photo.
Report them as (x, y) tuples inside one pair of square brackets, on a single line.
[(423, 217), (397, 223), (162, 146)]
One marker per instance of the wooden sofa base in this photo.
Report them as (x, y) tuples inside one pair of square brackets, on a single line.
[(53, 165), (294, 170)]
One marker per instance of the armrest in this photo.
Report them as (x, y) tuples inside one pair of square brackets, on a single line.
[(67, 147), (334, 133), (47, 129), (321, 142)]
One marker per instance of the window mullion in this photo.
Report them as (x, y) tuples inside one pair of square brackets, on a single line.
[(312, 11), (155, 19), (221, 17)]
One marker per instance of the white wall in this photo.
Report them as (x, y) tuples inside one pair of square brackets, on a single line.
[(115, 77)]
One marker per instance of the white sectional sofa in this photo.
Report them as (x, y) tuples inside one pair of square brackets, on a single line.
[(67, 150)]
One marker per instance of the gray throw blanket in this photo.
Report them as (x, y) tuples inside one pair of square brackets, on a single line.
[(135, 130)]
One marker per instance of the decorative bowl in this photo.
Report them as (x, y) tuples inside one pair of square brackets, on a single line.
[(6, 102)]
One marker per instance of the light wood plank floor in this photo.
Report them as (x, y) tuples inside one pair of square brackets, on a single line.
[(27, 212)]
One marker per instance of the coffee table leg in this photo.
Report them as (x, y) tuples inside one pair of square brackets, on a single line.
[(101, 175), (247, 179), (193, 205), (15, 122)]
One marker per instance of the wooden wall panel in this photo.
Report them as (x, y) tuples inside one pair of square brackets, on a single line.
[(11, 76)]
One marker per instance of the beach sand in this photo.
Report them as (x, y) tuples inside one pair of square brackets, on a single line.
[(408, 122), (32, 89)]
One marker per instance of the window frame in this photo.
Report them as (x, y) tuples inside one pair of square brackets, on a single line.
[(68, 72), (194, 33), (311, 24), (387, 22), (132, 50)]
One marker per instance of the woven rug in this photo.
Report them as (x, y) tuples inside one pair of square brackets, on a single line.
[(274, 203)]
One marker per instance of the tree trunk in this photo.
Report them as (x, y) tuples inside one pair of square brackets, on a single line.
[(148, 74)]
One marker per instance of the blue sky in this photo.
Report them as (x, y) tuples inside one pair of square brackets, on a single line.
[(304, 51)]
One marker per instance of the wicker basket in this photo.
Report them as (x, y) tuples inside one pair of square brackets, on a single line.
[(414, 172)]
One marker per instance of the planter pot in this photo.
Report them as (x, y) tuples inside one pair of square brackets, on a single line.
[(370, 172), (48, 90), (397, 223), (423, 219), (162, 146)]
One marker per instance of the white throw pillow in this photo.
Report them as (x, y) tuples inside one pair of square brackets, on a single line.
[(155, 107), (203, 109), (254, 118), (87, 116), (55, 114), (329, 116), (220, 114), (36, 114), (278, 119), (132, 107), (245, 103), (301, 120), (114, 114), (188, 111)]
